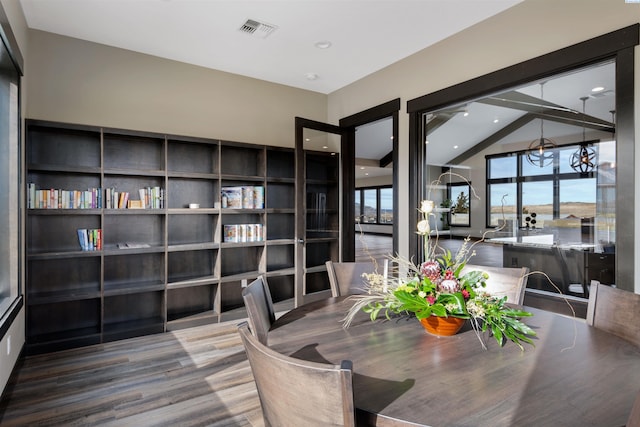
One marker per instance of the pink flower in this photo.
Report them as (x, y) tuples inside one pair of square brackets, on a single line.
[(449, 286), (431, 299), (465, 293), (431, 269)]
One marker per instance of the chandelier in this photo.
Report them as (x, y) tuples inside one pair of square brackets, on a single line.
[(584, 159), (540, 151)]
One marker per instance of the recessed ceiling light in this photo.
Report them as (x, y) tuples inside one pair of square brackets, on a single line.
[(325, 147), (466, 113), (597, 89), (455, 147), (311, 76), (366, 174), (325, 44), (495, 120), (362, 168), (426, 141)]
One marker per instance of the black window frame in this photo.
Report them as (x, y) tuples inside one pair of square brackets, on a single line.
[(360, 213), (555, 177)]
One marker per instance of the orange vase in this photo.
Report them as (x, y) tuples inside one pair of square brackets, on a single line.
[(442, 326)]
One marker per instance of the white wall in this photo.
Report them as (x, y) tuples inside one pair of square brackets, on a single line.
[(10, 347)]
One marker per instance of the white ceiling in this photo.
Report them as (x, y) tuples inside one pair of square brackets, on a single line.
[(462, 133), (365, 35)]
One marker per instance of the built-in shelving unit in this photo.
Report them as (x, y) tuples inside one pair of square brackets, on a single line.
[(158, 268)]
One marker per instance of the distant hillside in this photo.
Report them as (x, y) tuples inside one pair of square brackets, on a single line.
[(578, 209)]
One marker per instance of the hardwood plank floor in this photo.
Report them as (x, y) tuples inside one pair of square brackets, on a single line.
[(193, 377), (379, 247), (373, 246)]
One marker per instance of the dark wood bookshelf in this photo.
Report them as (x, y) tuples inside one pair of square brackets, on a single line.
[(179, 272)]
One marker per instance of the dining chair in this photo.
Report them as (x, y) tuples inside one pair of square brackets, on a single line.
[(509, 281), (615, 311), (346, 278), (259, 305), (634, 416), (295, 392)]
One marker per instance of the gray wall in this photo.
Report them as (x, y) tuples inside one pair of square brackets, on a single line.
[(82, 82)]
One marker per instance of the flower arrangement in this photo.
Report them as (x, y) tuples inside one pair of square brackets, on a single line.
[(438, 287)]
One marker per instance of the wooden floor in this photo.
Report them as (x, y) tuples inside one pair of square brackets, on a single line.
[(379, 247), (194, 377), (373, 246)]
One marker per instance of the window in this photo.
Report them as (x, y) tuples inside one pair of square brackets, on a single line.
[(374, 205), (9, 185), (386, 206), (540, 195), (460, 204), (370, 206)]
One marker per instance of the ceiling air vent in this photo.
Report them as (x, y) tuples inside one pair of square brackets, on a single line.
[(257, 29)]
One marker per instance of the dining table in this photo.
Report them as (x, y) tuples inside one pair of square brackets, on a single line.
[(573, 374)]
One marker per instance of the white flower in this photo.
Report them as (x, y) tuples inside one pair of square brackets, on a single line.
[(423, 227), (426, 207)]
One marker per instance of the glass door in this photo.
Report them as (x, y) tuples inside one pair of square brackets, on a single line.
[(318, 206)]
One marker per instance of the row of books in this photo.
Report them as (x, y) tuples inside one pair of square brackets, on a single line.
[(149, 198), (94, 198), (63, 199), (90, 239), (238, 233), (247, 197)]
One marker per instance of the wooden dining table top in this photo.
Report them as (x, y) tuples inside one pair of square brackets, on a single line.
[(575, 375)]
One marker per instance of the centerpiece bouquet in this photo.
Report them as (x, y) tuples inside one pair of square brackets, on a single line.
[(439, 288)]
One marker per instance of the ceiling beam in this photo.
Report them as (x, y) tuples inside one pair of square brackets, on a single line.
[(437, 120), (386, 160), (493, 138), (547, 110), (517, 124)]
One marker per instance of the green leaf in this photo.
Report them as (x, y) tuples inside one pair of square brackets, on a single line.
[(497, 334)]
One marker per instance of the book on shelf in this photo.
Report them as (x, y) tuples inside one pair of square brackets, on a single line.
[(54, 198), (90, 239), (150, 198), (242, 233), (245, 197)]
